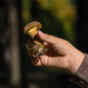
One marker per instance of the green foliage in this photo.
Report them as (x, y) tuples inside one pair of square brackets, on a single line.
[(57, 16), (65, 12), (26, 8)]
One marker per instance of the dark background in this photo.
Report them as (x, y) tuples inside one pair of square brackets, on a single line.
[(23, 74)]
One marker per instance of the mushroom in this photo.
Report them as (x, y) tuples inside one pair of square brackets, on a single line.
[(32, 28), (35, 47)]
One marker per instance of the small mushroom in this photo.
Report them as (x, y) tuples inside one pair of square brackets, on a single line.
[(32, 28)]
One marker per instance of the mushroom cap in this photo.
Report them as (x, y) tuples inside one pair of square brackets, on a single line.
[(30, 25)]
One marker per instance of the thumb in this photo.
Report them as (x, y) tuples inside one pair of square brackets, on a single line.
[(47, 38)]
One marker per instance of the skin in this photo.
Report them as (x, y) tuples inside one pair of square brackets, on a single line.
[(61, 54)]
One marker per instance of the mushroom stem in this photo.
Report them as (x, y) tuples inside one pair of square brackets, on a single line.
[(32, 32), (38, 43)]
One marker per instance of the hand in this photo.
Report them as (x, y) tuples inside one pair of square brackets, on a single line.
[(61, 54)]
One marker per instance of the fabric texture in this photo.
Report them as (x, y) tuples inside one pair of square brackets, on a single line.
[(81, 76)]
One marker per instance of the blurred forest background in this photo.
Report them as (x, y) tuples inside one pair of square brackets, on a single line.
[(67, 19)]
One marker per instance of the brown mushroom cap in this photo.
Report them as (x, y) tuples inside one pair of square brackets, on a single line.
[(31, 25)]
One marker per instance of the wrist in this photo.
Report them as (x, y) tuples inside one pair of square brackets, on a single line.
[(75, 61)]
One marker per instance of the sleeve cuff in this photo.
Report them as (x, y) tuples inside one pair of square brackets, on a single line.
[(81, 76)]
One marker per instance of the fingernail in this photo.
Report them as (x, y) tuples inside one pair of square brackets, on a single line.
[(40, 33)]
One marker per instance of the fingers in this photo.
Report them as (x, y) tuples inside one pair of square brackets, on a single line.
[(40, 61), (45, 43), (36, 61), (57, 62), (47, 38)]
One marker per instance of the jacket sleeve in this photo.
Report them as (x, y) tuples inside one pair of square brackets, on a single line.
[(81, 76)]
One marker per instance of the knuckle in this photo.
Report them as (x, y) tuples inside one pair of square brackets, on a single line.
[(67, 63)]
